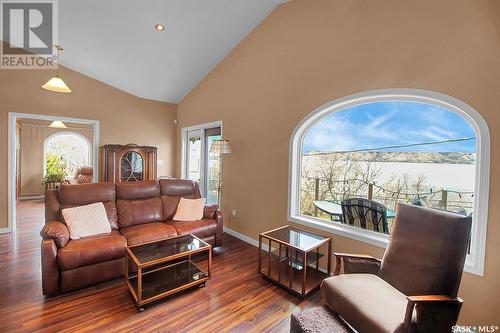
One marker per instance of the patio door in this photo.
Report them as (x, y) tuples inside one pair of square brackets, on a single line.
[(199, 164), (193, 161), (212, 166)]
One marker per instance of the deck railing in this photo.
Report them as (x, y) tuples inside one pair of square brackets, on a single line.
[(314, 188)]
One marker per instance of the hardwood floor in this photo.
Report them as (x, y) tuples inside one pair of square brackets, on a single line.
[(236, 299)]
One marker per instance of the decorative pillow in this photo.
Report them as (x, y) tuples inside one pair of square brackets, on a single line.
[(86, 220), (190, 209)]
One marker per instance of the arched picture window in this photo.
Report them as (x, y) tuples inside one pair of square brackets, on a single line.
[(353, 160), (66, 151)]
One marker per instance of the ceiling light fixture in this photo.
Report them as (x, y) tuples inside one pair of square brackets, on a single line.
[(57, 124), (159, 27), (56, 83)]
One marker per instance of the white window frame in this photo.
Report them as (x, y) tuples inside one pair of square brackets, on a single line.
[(475, 261), (184, 152)]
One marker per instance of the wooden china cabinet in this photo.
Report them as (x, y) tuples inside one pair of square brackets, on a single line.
[(127, 163)]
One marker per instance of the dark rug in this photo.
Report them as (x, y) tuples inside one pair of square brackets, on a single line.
[(317, 320)]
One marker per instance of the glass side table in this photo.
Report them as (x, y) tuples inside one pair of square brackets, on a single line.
[(296, 259), (166, 267)]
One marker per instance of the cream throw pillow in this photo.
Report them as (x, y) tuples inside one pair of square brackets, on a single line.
[(190, 209), (86, 220)]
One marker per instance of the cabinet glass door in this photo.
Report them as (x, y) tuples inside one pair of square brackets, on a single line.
[(131, 167)]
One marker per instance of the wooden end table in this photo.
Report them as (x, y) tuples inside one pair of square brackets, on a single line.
[(292, 258)]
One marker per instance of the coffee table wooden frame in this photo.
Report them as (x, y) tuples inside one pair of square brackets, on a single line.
[(305, 290), (141, 267)]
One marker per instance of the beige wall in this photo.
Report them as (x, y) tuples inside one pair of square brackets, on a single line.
[(33, 136), (309, 52), (123, 118)]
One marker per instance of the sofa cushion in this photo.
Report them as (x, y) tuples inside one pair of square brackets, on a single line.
[(179, 188), (88, 220), (91, 250), (189, 209), (133, 212), (148, 232), (172, 190), (111, 212), (137, 190), (138, 203), (169, 206), (366, 302), (201, 228), (83, 194)]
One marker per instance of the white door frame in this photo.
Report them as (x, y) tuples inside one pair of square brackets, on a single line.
[(184, 148), (11, 158)]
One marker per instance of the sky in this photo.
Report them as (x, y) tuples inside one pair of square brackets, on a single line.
[(381, 124)]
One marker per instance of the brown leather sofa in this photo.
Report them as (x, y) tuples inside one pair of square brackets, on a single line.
[(84, 175), (137, 211), (414, 287)]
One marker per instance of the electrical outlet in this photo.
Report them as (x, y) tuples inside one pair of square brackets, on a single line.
[(233, 213)]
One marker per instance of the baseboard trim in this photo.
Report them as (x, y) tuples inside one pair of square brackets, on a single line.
[(244, 238), (4, 230), (31, 197)]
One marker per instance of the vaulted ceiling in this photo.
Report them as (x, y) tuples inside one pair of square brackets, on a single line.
[(114, 41)]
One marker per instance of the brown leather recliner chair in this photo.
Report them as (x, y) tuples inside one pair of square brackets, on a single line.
[(84, 175), (138, 212), (414, 287)]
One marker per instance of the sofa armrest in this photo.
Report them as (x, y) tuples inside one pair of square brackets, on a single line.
[(50, 268), (52, 206), (220, 228), (209, 211), (356, 263), (56, 231), (432, 298), (437, 313)]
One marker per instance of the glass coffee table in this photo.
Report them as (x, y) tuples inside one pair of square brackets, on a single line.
[(162, 268), (295, 259)]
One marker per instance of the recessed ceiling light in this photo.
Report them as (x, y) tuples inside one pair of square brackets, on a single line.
[(159, 27)]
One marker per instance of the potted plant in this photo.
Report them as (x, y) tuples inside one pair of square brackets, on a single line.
[(54, 172)]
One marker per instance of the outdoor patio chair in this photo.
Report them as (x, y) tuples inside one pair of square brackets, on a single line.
[(365, 214)]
